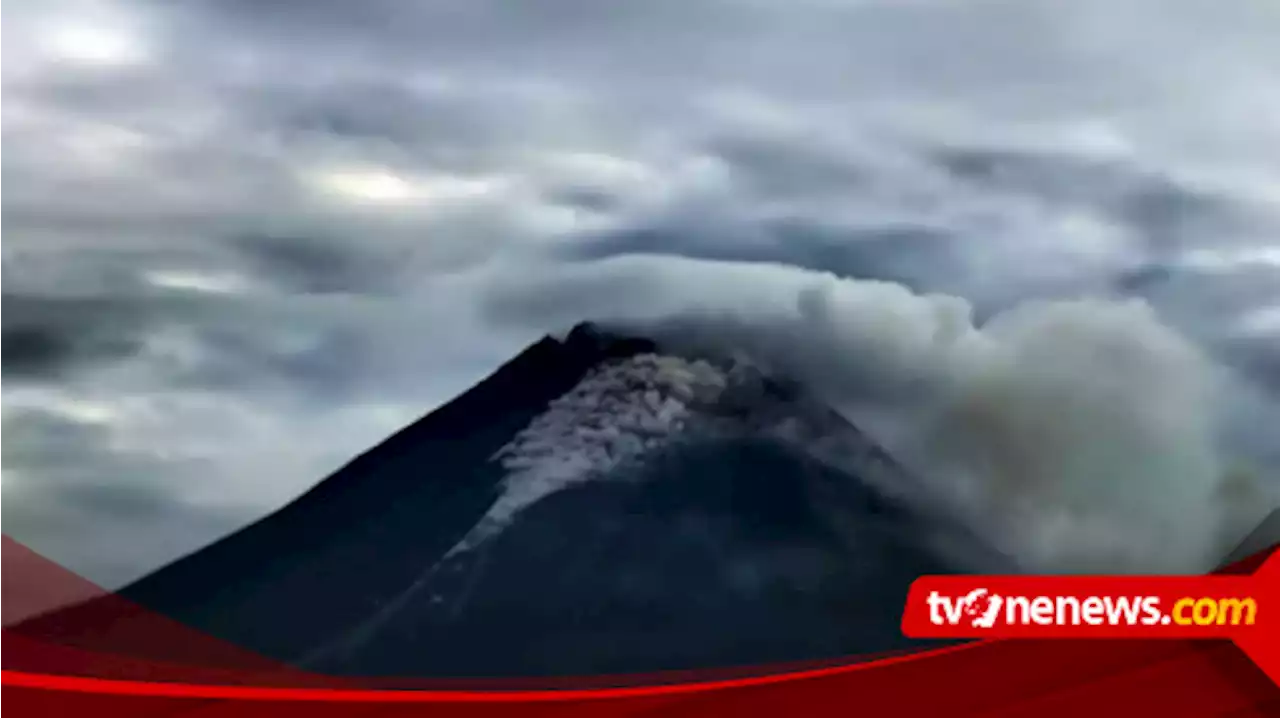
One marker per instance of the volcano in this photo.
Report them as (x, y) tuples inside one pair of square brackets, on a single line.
[(601, 503)]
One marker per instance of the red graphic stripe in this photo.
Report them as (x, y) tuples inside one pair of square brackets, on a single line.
[(81, 684), (138, 664)]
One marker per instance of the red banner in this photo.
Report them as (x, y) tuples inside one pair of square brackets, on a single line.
[(1244, 609), (127, 661)]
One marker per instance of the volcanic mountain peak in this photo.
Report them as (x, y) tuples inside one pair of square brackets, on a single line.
[(600, 503)]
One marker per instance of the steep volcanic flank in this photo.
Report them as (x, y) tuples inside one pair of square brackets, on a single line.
[(594, 506)]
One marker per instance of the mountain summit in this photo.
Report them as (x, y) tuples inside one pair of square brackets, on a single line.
[(599, 504)]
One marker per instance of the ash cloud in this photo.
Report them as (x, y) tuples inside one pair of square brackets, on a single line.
[(1078, 435)]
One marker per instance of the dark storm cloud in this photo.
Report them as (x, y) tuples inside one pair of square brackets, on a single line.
[(666, 48), (32, 351), (790, 166), (1259, 360), (319, 265), (1162, 210), (226, 355), (920, 230), (231, 345), (558, 30), (432, 123), (44, 338)]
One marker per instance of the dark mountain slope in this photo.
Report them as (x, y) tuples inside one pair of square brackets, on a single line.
[(719, 544)]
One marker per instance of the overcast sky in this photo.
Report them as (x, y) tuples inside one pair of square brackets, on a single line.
[(245, 240)]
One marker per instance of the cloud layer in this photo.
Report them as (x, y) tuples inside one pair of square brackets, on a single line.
[(233, 224)]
